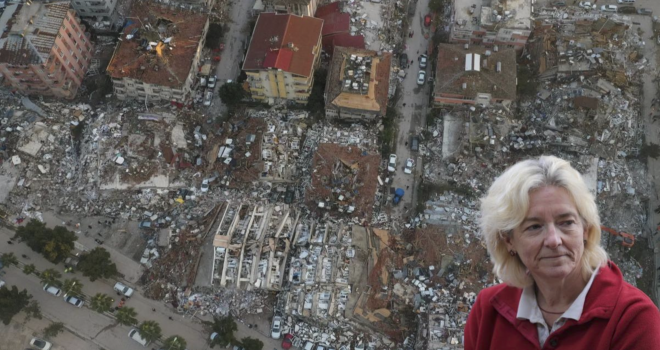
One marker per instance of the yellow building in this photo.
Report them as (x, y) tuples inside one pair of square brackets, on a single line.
[(284, 53)]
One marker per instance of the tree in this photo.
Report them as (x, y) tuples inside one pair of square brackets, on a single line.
[(650, 150), (12, 302), (8, 259), (232, 93), (97, 264), (126, 316), (252, 343), (53, 330), (150, 331), (33, 310), (102, 303), (214, 34), (316, 101), (225, 328), (174, 342), (51, 277), (436, 5), (54, 244), (29, 268), (72, 287)]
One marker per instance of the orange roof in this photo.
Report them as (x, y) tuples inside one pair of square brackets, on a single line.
[(284, 32)]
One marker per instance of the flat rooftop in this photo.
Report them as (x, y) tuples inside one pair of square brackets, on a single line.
[(514, 14), (468, 13), (158, 44)]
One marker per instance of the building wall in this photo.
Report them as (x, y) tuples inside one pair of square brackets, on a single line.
[(443, 99), (505, 38), (95, 8), (129, 88), (308, 9), (62, 74)]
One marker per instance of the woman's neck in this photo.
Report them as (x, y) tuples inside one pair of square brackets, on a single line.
[(557, 295)]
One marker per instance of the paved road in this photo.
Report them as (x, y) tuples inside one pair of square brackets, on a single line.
[(232, 57), (413, 114), (100, 329)]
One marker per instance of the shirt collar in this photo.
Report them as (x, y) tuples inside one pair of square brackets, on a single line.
[(528, 307)]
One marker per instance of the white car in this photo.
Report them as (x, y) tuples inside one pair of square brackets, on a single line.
[(53, 290), (74, 301), (212, 80), (121, 289), (421, 77), (422, 61), (207, 98), (276, 330), (205, 186), (40, 344), (135, 335), (410, 164), (391, 166), (608, 8)]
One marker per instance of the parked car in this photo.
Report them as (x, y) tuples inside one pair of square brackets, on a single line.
[(403, 60), (207, 98), (320, 347), (2, 283), (276, 329), (410, 165), (202, 81), (585, 4), (205, 186), (645, 11), (287, 342), (414, 144), (427, 20), (422, 61), (608, 8), (391, 165), (53, 290), (40, 344), (559, 3), (212, 80), (121, 289), (625, 1), (135, 335), (308, 345), (421, 77), (74, 301)]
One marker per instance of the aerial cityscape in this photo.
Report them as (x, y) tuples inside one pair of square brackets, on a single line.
[(320, 174)]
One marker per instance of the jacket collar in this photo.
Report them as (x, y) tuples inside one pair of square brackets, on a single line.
[(599, 302)]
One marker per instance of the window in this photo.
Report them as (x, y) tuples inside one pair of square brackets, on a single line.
[(60, 52)]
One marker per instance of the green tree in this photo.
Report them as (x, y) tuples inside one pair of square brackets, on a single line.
[(175, 342), (214, 34), (33, 310), (316, 100), (53, 330), (97, 264), (232, 93), (29, 268), (127, 316), (12, 302), (102, 303), (51, 277), (437, 5), (225, 328), (252, 343), (54, 244), (72, 287), (150, 331), (649, 150), (8, 259)]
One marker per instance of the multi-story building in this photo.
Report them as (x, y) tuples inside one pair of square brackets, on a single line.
[(284, 52), (101, 9), (44, 49), (504, 23), (474, 75), (158, 55), (357, 84), (296, 7)]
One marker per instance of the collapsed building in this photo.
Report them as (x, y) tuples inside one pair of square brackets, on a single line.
[(337, 30), (283, 55), (158, 56), (357, 84), (474, 75), (44, 49)]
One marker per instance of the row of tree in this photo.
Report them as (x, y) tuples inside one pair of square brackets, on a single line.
[(224, 328)]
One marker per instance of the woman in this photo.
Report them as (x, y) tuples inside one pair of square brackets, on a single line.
[(541, 227)]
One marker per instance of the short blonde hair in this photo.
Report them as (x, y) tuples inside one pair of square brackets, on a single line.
[(506, 204)]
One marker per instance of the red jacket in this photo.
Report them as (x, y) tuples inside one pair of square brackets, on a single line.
[(616, 316)]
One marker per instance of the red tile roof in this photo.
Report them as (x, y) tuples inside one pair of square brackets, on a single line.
[(342, 39), (293, 37), (325, 10), (336, 23)]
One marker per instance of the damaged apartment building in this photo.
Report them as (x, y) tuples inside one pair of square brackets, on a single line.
[(503, 23), (158, 55), (104, 10), (284, 52), (296, 7), (44, 49), (357, 84), (474, 75)]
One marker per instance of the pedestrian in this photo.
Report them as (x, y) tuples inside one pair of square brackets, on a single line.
[(90, 226), (407, 187), (404, 104), (418, 52), (10, 242), (171, 319), (406, 143), (154, 309)]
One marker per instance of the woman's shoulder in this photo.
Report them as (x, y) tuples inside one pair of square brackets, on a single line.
[(501, 289)]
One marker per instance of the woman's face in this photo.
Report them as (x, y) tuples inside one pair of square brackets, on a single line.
[(550, 240)]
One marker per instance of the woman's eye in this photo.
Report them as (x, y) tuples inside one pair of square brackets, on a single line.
[(533, 227), (568, 222)]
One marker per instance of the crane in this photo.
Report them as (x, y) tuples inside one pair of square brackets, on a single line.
[(626, 239)]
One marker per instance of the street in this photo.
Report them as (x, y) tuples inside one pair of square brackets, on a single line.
[(413, 108)]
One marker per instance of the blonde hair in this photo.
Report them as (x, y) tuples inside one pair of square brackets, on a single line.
[(506, 205)]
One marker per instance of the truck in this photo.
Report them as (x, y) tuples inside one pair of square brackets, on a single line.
[(398, 194), (121, 289)]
